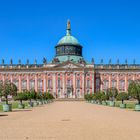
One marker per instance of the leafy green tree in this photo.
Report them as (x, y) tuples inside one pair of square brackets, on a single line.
[(134, 90), (112, 93), (122, 96), (7, 89), (20, 97), (104, 97)]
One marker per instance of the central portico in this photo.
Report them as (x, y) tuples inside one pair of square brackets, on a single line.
[(71, 68)]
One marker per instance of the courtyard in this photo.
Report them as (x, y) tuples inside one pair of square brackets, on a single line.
[(70, 121)]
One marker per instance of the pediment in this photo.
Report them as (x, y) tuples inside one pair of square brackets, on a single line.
[(69, 65)]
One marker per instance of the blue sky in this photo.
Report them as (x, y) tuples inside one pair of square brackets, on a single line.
[(106, 28)]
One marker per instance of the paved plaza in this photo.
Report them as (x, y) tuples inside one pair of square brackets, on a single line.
[(70, 121)]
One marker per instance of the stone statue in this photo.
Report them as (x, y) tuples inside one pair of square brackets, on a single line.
[(35, 62), (44, 60), (118, 61), (126, 61), (2, 61), (27, 61), (134, 61), (110, 61), (92, 60), (19, 62), (102, 61), (11, 61)]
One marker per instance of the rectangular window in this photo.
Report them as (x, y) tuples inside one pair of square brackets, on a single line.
[(32, 84), (24, 84), (49, 83), (59, 83)]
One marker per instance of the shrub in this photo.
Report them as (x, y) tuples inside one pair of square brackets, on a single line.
[(134, 90), (6, 89), (112, 93), (122, 96), (20, 97)]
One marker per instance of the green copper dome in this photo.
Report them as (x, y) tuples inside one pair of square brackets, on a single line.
[(68, 39), (68, 48)]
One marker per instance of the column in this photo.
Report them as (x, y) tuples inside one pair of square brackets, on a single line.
[(11, 78), (63, 84), (54, 83), (92, 82), (118, 81), (45, 89), (109, 81), (125, 82), (28, 87), (20, 83), (133, 77), (3, 78), (74, 84), (83, 83), (101, 82), (36, 86)]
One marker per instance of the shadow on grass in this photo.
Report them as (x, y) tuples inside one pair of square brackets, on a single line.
[(21, 110), (3, 115)]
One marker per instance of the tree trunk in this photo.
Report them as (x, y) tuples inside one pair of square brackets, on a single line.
[(6, 100), (122, 101), (138, 101), (20, 101)]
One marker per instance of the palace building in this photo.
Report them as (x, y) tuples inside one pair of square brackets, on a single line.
[(68, 75)]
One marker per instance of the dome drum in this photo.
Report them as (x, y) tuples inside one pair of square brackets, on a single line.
[(68, 50)]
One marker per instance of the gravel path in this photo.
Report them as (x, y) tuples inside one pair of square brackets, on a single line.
[(70, 121)]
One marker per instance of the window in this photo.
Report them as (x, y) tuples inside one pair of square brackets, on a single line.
[(59, 83), (24, 84), (69, 83), (49, 83), (88, 83), (105, 84), (40, 84), (129, 81), (97, 84), (16, 83), (78, 83), (32, 84), (113, 83), (122, 85)]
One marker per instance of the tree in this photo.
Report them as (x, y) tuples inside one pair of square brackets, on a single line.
[(122, 96), (112, 93), (104, 97), (6, 89), (98, 96), (134, 90), (20, 97)]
